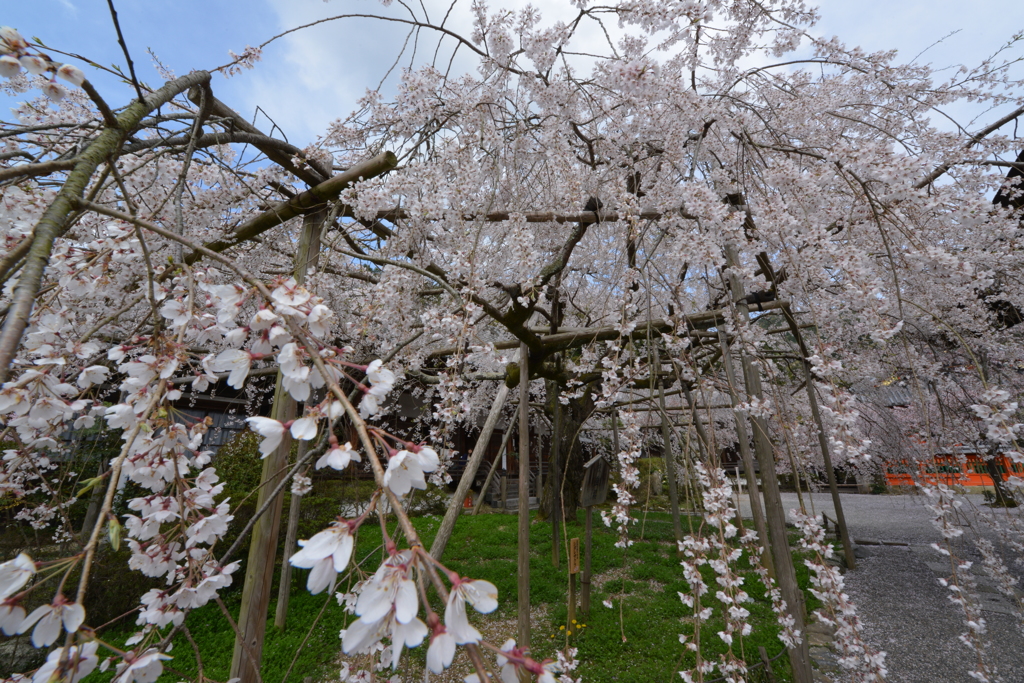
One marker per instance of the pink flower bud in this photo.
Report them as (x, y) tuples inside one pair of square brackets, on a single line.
[(72, 74), (34, 64), (9, 66), (54, 91), (11, 39)]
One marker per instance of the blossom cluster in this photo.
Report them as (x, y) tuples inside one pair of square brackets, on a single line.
[(715, 548), (860, 659), (632, 440), (15, 55)]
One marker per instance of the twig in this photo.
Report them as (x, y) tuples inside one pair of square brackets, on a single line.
[(124, 48)]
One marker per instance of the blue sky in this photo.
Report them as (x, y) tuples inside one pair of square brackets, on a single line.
[(315, 76)]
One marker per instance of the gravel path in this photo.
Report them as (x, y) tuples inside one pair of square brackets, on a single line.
[(904, 610)]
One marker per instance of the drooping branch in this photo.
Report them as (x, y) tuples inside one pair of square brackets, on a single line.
[(975, 139), (278, 151), (574, 338), (302, 203), (583, 217), (36, 170), (53, 222)]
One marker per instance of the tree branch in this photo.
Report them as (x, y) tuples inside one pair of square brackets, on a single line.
[(302, 203), (53, 222)]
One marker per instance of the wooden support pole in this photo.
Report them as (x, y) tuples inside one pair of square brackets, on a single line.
[(291, 534), (774, 512), (754, 493), (259, 570), (670, 461), (574, 568), (556, 481), (703, 440), (306, 256), (585, 580), (455, 505), (812, 400), (523, 616), (494, 467)]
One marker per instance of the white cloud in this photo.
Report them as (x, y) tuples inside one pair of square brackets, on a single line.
[(317, 75)]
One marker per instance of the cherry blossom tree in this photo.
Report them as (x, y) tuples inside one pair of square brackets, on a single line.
[(709, 182)]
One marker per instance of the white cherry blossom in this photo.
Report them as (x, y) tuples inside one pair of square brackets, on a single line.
[(338, 457), (327, 553), (145, 668), (406, 470), (78, 662), (11, 616), (235, 361), (48, 619), (481, 594), (9, 66), (271, 430), (441, 651), (14, 574), (390, 588), (304, 428), (71, 73)]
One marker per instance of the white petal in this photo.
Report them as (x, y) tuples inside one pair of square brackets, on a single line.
[(322, 545), (343, 553), (304, 428), (406, 602), (441, 653), (47, 630), (73, 615), (428, 459), (322, 576), (71, 73), (374, 602), (483, 595), (32, 618), (360, 635), (456, 621), (14, 574)]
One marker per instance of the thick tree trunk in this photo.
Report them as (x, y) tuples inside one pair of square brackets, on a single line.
[(568, 480)]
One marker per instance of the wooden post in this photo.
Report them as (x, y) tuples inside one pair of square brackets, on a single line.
[(774, 511), (812, 400), (574, 569), (455, 505), (585, 581), (259, 571), (306, 256), (556, 480), (494, 467), (524, 498), (748, 460), (767, 663), (284, 588), (670, 461)]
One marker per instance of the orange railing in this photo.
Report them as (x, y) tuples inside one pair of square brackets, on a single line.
[(949, 470)]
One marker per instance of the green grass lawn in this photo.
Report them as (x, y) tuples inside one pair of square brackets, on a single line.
[(640, 645)]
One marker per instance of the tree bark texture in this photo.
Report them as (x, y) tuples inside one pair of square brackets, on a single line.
[(444, 533), (775, 512)]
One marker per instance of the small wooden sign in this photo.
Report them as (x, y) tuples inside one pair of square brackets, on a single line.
[(595, 483), (574, 556)]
